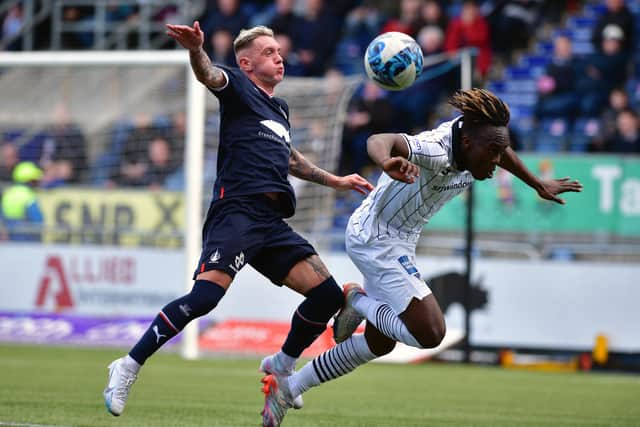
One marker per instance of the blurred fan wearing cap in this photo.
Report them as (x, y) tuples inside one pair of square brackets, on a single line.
[(616, 23), (19, 208)]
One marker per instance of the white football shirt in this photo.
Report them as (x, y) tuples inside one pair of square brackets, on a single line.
[(399, 210)]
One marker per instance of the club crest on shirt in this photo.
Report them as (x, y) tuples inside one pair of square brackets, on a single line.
[(215, 257)]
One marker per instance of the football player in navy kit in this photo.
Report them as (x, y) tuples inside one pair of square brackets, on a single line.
[(244, 223)]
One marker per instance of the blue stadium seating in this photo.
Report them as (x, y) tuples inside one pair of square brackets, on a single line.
[(584, 130), (551, 135)]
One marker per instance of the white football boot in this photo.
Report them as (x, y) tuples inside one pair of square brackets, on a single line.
[(121, 378)]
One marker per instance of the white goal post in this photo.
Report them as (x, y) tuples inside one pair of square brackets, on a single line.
[(194, 138)]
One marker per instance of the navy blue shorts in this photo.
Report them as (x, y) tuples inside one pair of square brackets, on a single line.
[(250, 230)]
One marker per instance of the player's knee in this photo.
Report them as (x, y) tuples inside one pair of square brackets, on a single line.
[(329, 296), (431, 336), (382, 348), (204, 297)]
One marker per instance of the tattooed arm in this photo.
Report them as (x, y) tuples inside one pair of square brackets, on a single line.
[(304, 169), (206, 73), (192, 38), (301, 168)]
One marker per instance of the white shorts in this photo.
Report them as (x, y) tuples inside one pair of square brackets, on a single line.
[(389, 269)]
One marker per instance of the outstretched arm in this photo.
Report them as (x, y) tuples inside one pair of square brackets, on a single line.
[(302, 168), (192, 39), (547, 189), (390, 151)]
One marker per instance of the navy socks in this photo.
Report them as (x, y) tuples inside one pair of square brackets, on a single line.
[(173, 317), (311, 317)]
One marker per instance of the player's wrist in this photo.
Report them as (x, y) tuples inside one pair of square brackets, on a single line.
[(333, 181)]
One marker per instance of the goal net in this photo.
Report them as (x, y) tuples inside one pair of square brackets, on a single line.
[(127, 142)]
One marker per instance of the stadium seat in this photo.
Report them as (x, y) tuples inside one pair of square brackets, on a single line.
[(348, 57), (584, 130), (551, 135)]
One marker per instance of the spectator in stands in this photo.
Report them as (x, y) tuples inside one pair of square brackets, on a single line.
[(293, 65), (557, 95), (160, 164), (8, 160), (470, 29), (64, 157), (176, 136), (370, 112), (414, 107), (134, 158), (19, 209), (12, 25), (619, 15), (432, 14), (618, 102), (76, 16), (280, 17), (315, 37), (627, 136), (226, 14), (603, 70), (361, 26), (513, 22), (220, 47), (408, 20)]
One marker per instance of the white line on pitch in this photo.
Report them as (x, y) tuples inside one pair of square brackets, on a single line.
[(10, 424)]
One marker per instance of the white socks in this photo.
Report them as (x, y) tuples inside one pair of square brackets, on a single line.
[(333, 363), (131, 364), (288, 362), (384, 319)]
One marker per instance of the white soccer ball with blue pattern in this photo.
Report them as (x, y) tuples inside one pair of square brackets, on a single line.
[(393, 60)]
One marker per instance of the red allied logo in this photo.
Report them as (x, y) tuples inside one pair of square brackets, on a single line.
[(83, 273), (54, 284)]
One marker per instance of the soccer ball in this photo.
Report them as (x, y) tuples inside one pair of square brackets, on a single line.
[(393, 60)]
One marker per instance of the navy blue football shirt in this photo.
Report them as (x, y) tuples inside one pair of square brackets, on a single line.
[(255, 143)]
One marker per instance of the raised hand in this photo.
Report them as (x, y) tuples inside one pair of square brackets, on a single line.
[(550, 188), (191, 38), (401, 169)]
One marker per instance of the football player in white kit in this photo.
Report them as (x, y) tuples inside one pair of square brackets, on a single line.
[(422, 173)]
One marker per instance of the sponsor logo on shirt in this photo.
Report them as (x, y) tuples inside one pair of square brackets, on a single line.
[(406, 263), (277, 128), (454, 186)]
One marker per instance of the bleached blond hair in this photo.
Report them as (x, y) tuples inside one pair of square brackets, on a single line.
[(247, 36)]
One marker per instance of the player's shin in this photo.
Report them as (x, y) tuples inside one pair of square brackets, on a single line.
[(173, 317), (311, 317), (333, 363), (385, 320)]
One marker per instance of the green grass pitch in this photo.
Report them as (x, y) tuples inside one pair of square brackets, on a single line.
[(63, 387)]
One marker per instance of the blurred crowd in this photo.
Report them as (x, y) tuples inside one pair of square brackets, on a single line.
[(590, 91)]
